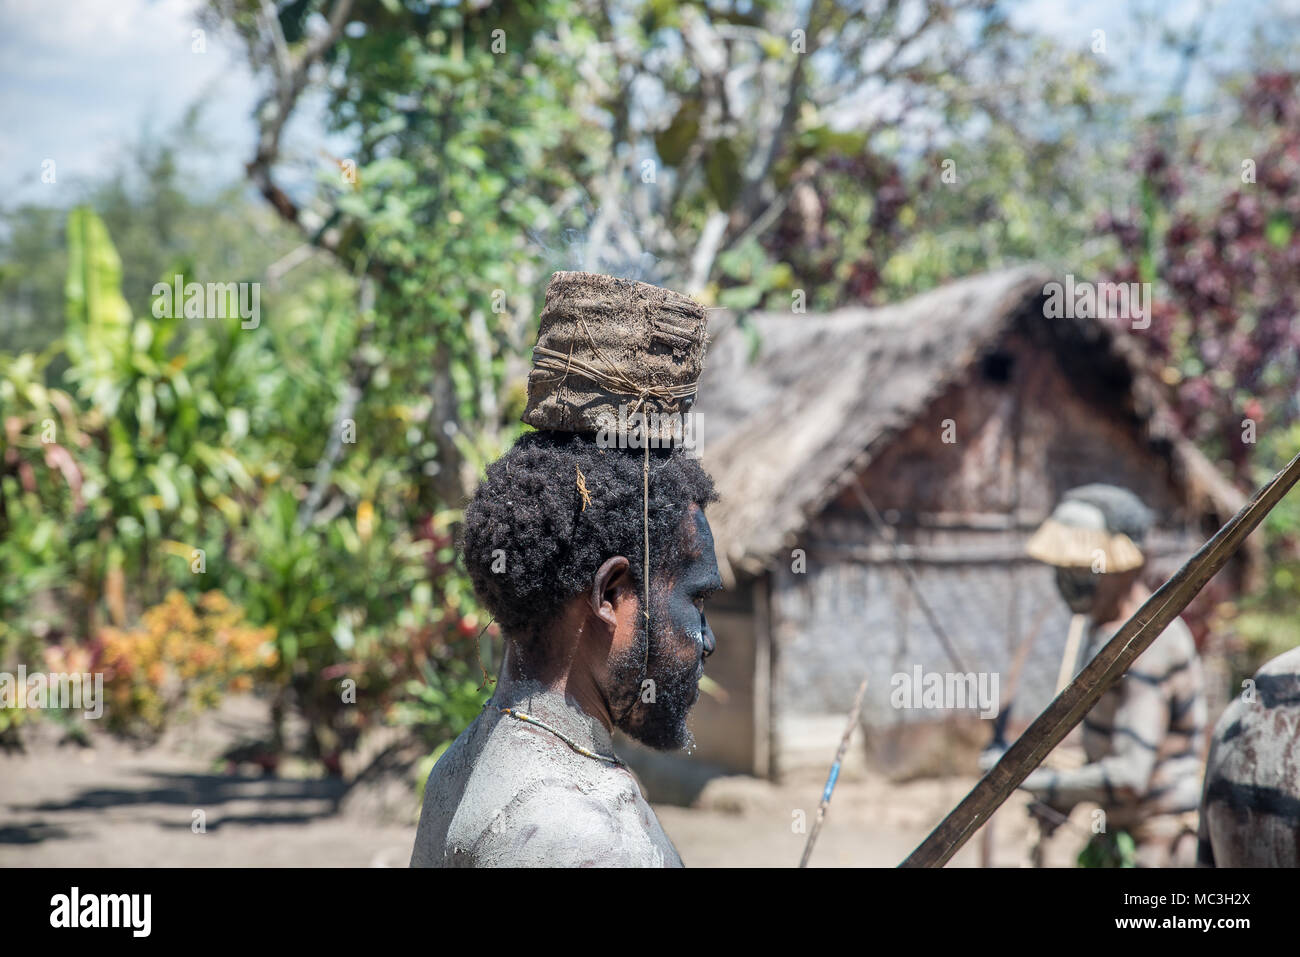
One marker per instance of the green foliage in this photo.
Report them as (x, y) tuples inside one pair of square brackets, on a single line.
[(99, 320), (1110, 849), (437, 705), (178, 459), (1209, 226), (1267, 624)]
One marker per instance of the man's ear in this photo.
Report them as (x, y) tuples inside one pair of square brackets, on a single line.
[(607, 588)]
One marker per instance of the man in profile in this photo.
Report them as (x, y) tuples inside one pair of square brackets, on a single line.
[(555, 542)]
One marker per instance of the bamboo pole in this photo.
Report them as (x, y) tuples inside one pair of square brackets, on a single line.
[(1069, 707)]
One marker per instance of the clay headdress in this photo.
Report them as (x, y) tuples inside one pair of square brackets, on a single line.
[(608, 346)]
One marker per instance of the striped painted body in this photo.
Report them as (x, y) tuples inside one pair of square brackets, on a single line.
[(1250, 809), (1142, 740), (1144, 733)]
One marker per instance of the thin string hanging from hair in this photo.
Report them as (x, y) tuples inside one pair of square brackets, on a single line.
[(615, 380), (612, 380), (617, 377), (645, 530)]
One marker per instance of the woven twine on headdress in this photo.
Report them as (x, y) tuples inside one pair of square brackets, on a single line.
[(611, 378), (645, 530)]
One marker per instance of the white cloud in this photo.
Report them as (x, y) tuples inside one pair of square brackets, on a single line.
[(80, 79)]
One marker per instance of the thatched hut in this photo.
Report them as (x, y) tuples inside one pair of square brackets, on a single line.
[(960, 415)]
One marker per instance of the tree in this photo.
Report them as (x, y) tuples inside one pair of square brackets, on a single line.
[(739, 151)]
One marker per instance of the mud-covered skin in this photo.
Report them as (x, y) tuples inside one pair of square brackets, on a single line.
[(1142, 741), (1250, 808), (681, 640), (697, 578), (512, 794), (508, 794)]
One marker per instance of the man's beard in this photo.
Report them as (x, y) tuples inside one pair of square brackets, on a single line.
[(658, 721)]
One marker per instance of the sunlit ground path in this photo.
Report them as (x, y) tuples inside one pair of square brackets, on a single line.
[(115, 805)]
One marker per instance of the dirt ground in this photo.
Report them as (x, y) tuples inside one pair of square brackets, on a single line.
[(114, 805)]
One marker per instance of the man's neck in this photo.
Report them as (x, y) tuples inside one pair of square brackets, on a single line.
[(568, 694)]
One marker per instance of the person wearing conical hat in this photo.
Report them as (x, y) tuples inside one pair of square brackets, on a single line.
[(587, 542), (1142, 738)]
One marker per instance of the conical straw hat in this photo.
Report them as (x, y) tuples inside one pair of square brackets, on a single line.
[(1075, 536)]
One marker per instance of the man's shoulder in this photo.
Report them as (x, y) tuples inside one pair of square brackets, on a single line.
[(511, 799), (1251, 736), (1285, 665), (560, 821), (1275, 685)]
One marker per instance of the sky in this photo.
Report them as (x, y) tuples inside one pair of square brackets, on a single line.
[(81, 80), (1132, 30)]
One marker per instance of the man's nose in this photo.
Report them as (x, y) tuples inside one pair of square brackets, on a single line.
[(710, 643)]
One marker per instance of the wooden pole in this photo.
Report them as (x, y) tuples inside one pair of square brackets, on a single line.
[(1070, 658), (1069, 707)]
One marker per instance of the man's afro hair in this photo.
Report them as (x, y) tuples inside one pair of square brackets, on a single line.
[(531, 507)]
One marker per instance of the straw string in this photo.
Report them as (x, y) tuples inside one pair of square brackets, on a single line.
[(608, 375)]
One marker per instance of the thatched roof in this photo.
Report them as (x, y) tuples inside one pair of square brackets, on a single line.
[(786, 428)]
